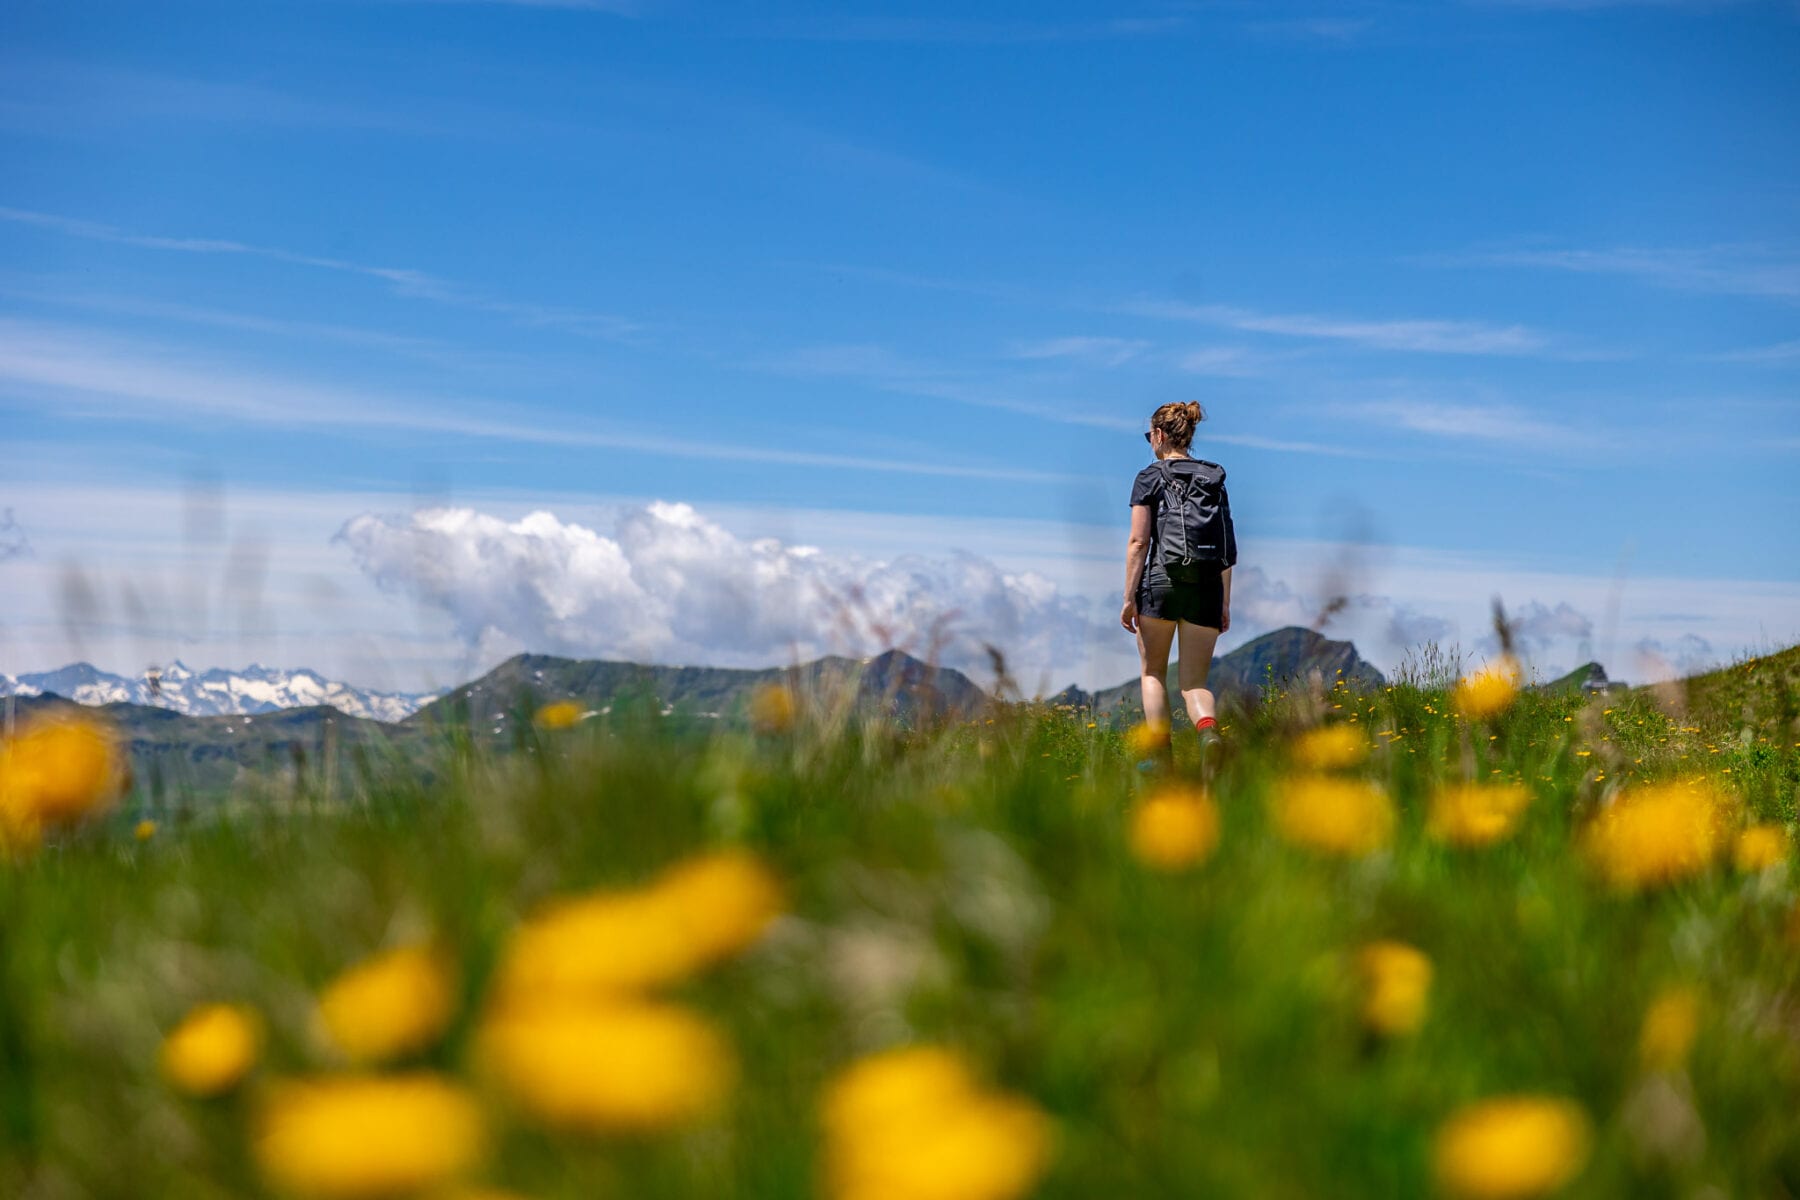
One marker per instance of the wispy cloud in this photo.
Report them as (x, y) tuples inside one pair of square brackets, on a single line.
[(1779, 353), (617, 8), (1485, 423), (881, 368), (1095, 351), (1732, 270), (855, 28), (98, 377), (402, 281), (1325, 29), (1428, 336), (1229, 362)]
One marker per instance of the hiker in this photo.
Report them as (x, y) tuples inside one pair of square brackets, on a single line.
[(1178, 569)]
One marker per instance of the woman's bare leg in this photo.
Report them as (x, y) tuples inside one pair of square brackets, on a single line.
[(1154, 636), (1197, 642)]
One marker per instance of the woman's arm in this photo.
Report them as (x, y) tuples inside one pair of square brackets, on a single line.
[(1225, 614), (1137, 550)]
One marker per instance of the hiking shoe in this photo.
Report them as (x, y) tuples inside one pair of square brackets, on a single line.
[(1212, 749)]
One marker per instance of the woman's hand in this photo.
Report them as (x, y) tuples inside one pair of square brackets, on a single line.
[(1225, 617), (1128, 616)]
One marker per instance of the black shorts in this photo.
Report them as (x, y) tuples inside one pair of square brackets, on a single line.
[(1201, 603)]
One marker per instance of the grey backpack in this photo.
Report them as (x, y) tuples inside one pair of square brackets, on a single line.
[(1193, 519)]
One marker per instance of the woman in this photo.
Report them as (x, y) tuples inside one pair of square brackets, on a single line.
[(1197, 605)]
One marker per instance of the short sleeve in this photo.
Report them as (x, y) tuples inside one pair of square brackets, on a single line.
[(1145, 487)]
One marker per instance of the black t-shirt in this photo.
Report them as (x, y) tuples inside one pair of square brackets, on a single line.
[(1147, 489)]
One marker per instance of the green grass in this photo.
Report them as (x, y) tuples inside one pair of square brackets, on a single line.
[(1190, 1034)]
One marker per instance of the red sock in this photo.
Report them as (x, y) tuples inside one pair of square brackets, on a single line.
[(1205, 723)]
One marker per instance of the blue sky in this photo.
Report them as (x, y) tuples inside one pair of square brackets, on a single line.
[(1483, 298)]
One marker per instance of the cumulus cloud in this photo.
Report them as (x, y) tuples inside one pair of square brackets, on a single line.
[(667, 585), (1673, 658)]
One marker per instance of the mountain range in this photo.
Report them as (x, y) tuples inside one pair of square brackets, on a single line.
[(214, 693), (208, 753)]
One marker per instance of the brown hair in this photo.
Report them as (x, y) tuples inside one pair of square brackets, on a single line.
[(1177, 422)]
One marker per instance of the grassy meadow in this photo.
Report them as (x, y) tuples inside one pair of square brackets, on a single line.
[(1418, 941)]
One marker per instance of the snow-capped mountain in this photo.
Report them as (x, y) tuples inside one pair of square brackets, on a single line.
[(214, 693)]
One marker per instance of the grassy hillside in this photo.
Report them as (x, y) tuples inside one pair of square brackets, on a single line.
[(1152, 1005)]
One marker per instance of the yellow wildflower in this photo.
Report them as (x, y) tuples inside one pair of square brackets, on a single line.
[(1476, 814), (366, 1136), (1488, 691), (211, 1050), (1511, 1147), (722, 901), (1350, 817), (1759, 847), (1175, 827), (1396, 986), (607, 1065), (1330, 747), (773, 708), (55, 770), (1670, 1024), (606, 942), (1657, 834), (561, 714), (389, 1006), (912, 1124), (144, 830), (1147, 738)]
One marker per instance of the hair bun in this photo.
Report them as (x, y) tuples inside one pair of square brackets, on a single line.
[(1195, 411)]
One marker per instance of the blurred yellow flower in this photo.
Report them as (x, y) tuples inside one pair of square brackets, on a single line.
[(610, 942), (367, 1136), (1331, 747), (723, 902), (389, 1006), (211, 1050), (1333, 815), (1511, 1147), (1670, 1024), (144, 830), (1147, 738), (1396, 987), (605, 1066), (55, 770), (1759, 847), (1476, 814), (912, 1124), (1658, 833), (561, 714), (773, 708), (1175, 827), (1488, 691)]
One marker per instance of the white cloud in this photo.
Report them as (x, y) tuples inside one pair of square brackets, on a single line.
[(1491, 423), (1098, 351), (1733, 270), (1672, 658), (669, 585), (402, 281), (1421, 335), (111, 378)]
